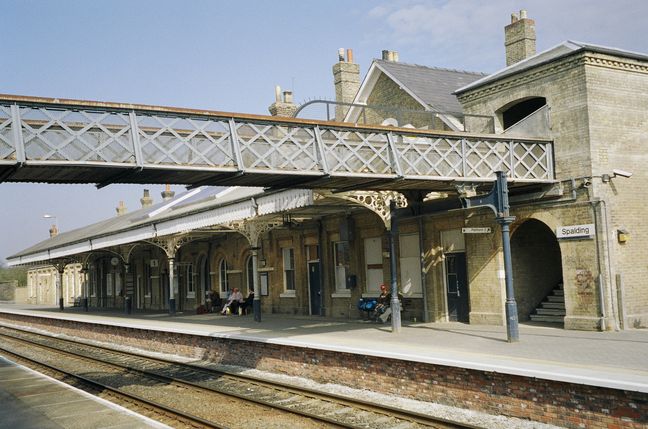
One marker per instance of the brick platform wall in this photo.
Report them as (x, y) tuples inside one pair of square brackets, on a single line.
[(565, 404)]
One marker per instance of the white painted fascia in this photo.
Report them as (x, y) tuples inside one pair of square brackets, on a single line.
[(269, 204)]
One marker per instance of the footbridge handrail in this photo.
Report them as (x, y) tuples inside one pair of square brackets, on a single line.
[(94, 142)]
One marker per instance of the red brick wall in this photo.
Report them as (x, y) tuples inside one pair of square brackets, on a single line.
[(565, 404)]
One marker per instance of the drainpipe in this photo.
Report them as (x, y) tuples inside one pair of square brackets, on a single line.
[(320, 248), (605, 214)]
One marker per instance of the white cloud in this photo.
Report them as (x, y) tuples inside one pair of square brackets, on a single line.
[(470, 34)]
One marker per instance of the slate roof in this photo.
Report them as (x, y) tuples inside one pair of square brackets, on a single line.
[(559, 51), (434, 86), (187, 202)]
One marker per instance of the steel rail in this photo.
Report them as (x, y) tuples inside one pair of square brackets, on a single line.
[(137, 401), (179, 383), (386, 410)]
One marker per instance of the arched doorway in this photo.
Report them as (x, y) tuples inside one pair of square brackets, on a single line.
[(537, 266)]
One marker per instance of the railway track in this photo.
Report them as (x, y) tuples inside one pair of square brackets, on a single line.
[(186, 395)]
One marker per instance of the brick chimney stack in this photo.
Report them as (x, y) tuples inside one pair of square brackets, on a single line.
[(167, 194), (346, 76), (53, 231), (519, 38), (121, 208), (283, 105), (146, 199)]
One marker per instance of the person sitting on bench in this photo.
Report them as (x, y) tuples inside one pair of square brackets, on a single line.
[(246, 306), (382, 302), (233, 303)]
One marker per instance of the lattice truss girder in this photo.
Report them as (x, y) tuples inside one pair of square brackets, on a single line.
[(150, 139)]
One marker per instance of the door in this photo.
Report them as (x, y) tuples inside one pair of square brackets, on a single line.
[(457, 287), (314, 287)]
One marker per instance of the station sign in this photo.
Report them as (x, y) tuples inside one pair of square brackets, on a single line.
[(576, 231), (485, 230)]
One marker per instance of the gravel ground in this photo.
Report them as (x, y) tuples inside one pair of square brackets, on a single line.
[(437, 410)]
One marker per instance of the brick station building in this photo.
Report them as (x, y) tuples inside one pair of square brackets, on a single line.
[(578, 245)]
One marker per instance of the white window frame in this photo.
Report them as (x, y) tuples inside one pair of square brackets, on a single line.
[(110, 284), (340, 269), (223, 281), (288, 268), (249, 274), (93, 281), (148, 280), (118, 283), (189, 280)]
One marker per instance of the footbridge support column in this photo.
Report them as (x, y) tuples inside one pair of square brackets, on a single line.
[(498, 201)]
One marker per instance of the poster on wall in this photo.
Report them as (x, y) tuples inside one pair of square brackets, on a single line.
[(263, 277)]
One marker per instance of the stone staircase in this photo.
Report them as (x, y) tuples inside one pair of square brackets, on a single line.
[(552, 308)]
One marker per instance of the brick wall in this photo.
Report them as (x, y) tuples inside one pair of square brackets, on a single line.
[(565, 404)]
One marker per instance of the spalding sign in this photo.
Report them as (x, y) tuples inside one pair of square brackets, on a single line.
[(576, 231)]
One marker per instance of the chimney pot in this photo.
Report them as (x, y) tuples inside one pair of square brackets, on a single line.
[(277, 93), (167, 194), (349, 55), (341, 55), (288, 96), (121, 208), (514, 17), (146, 199), (395, 56), (523, 14), (53, 231)]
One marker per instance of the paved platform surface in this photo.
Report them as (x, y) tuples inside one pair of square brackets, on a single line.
[(32, 400), (608, 359)]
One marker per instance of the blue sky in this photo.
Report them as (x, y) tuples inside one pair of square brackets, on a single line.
[(228, 56)]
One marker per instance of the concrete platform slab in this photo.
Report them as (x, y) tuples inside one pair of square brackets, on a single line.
[(32, 400), (608, 359)]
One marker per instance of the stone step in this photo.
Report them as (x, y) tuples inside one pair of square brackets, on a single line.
[(560, 305), (554, 298), (548, 319), (559, 292), (550, 312)]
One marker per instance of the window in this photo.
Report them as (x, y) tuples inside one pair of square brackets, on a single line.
[(249, 269), (118, 284), (222, 276), (520, 110), (93, 281), (289, 268), (109, 284), (341, 264), (148, 281), (187, 277)]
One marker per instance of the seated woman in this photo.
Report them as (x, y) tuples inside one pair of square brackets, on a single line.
[(233, 303), (246, 306), (382, 302)]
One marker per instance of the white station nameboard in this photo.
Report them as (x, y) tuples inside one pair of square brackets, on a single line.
[(575, 231), (476, 230)]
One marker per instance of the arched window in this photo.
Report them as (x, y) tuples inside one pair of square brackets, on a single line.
[(222, 276), (514, 113), (249, 270)]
